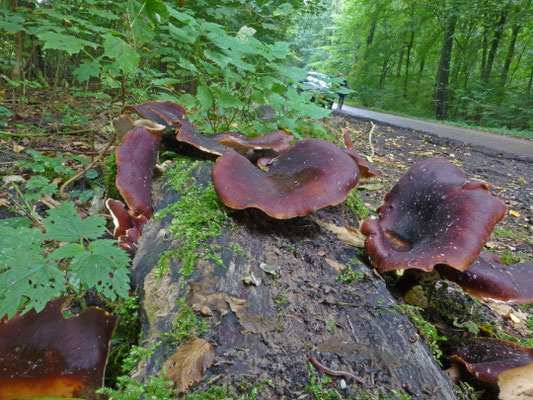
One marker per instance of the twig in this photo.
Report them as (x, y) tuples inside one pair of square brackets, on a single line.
[(371, 157), (45, 134), (89, 153), (65, 196), (351, 326)]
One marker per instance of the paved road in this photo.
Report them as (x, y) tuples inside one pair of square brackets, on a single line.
[(521, 148)]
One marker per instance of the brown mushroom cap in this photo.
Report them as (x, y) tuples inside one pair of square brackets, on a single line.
[(311, 174), (486, 358), (433, 215), (277, 141), (166, 113), (122, 219), (136, 157), (44, 354), (366, 169), (490, 279)]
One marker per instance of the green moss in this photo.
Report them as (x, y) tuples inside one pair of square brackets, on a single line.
[(110, 176), (356, 205), (517, 234), (349, 275), (186, 325), (427, 330), (198, 218)]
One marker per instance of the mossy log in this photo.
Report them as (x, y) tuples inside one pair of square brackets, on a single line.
[(267, 332)]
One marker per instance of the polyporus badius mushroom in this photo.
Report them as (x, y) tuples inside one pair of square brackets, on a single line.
[(433, 215), (136, 157), (490, 279), (487, 358), (46, 355), (310, 175), (128, 227), (366, 169)]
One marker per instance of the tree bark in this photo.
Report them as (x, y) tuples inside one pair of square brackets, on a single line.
[(400, 62), (494, 44), (301, 307), (510, 54), (443, 71), (407, 63)]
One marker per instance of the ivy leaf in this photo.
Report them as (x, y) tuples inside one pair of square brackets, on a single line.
[(117, 49), (65, 225), (205, 96), (87, 70), (70, 44), (103, 266)]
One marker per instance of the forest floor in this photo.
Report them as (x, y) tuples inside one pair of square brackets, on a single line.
[(83, 129)]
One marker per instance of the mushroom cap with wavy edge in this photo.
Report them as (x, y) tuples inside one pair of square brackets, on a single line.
[(122, 219), (310, 175), (486, 358), (433, 215), (166, 113), (366, 169), (490, 279), (46, 355), (135, 158)]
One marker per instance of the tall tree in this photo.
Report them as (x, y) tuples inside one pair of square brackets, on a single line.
[(443, 70)]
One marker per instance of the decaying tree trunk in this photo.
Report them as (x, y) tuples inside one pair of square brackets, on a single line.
[(268, 331)]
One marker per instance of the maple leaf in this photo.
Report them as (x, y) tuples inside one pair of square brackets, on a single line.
[(65, 225)]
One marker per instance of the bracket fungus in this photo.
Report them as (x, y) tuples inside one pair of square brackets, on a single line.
[(433, 215), (310, 175), (490, 279), (166, 113), (44, 354), (486, 358), (136, 157)]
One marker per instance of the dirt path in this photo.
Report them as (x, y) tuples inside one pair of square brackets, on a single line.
[(489, 143)]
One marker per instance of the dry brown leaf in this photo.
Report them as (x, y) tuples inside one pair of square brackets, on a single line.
[(350, 236), (188, 364), (506, 311), (516, 383), (337, 266)]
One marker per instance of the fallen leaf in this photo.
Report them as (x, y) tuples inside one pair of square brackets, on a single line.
[(337, 266), (370, 187), (514, 213), (17, 148), (516, 383), (350, 236), (522, 180), (273, 270), (188, 364), (251, 280), (13, 179)]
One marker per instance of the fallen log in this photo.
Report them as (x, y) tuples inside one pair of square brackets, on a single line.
[(276, 302)]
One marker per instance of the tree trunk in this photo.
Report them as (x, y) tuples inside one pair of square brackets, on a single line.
[(443, 71), (421, 69), (17, 70), (400, 62), (495, 42), (407, 62), (528, 90), (510, 54), (267, 332)]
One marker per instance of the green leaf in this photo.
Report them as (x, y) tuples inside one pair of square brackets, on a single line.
[(31, 283), (15, 222), (91, 174), (102, 266), (87, 70), (183, 35), (226, 99), (205, 96), (220, 59), (67, 251), (126, 57), (180, 16), (65, 225), (70, 44)]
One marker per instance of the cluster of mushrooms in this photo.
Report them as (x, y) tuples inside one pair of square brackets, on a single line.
[(433, 219)]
